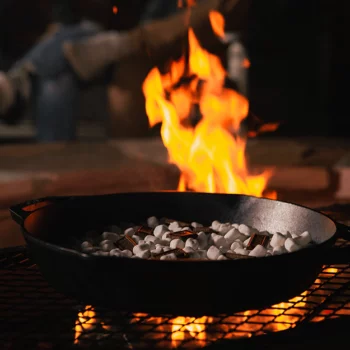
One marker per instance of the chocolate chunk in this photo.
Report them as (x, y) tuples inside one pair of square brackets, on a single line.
[(257, 239), (144, 231), (179, 253), (203, 229), (234, 256), (168, 221), (125, 242), (183, 234)]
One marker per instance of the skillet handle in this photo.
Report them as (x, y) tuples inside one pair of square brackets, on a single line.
[(19, 212)]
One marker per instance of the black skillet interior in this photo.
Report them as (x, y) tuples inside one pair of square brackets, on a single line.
[(190, 287)]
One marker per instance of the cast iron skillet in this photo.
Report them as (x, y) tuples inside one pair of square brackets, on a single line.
[(187, 287)]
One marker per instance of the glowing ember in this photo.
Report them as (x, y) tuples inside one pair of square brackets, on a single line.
[(210, 153)]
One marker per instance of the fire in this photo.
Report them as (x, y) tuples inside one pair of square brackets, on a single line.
[(201, 121)]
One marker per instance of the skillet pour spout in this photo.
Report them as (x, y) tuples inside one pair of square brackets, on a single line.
[(189, 287)]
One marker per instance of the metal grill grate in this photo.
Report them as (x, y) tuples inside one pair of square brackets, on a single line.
[(34, 316)]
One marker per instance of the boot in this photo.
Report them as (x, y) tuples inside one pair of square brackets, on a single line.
[(158, 40), (15, 91)]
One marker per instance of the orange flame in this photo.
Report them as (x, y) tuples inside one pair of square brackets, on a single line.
[(210, 155), (115, 9)]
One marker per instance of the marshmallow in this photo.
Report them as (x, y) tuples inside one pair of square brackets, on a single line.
[(215, 225), (202, 240), (218, 240), (223, 228), (160, 230), (127, 253), (244, 229), (223, 249), (129, 231), (136, 238), (235, 245), (246, 242), (110, 236), (107, 245), (304, 239), (150, 238), (235, 226), (174, 226), (170, 256), (152, 222), (185, 228), (164, 242), (166, 249), (196, 225), (279, 250), (241, 251), (233, 234), (188, 250), (192, 243), (177, 243), (277, 240), (142, 250), (201, 254), (222, 257), (86, 247), (213, 253), (259, 251), (290, 245), (115, 252), (157, 250)]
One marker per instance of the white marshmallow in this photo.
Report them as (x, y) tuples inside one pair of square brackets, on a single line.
[(241, 251), (86, 246), (152, 222), (235, 226), (233, 234), (157, 250), (286, 234), (202, 240), (164, 242), (106, 245), (264, 233), (115, 252), (277, 240), (223, 249), (258, 251), (150, 238), (222, 257), (151, 245), (188, 250), (196, 225), (185, 228), (304, 239), (141, 241), (218, 240), (129, 231), (224, 228), (174, 226), (170, 256), (279, 250), (142, 250), (177, 243), (192, 243), (136, 238), (235, 245), (160, 230), (166, 249), (246, 242), (290, 245), (127, 253), (213, 253), (201, 254), (215, 225), (244, 229), (110, 236)]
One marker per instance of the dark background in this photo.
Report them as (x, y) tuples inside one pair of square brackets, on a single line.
[(298, 50)]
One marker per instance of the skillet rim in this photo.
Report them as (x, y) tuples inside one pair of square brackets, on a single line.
[(87, 257)]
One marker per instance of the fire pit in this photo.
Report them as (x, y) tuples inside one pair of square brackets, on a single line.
[(33, 315)]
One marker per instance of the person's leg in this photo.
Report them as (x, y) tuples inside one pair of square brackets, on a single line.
[(55, 108)]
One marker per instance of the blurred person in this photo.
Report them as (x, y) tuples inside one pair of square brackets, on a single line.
[(43, 79)]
